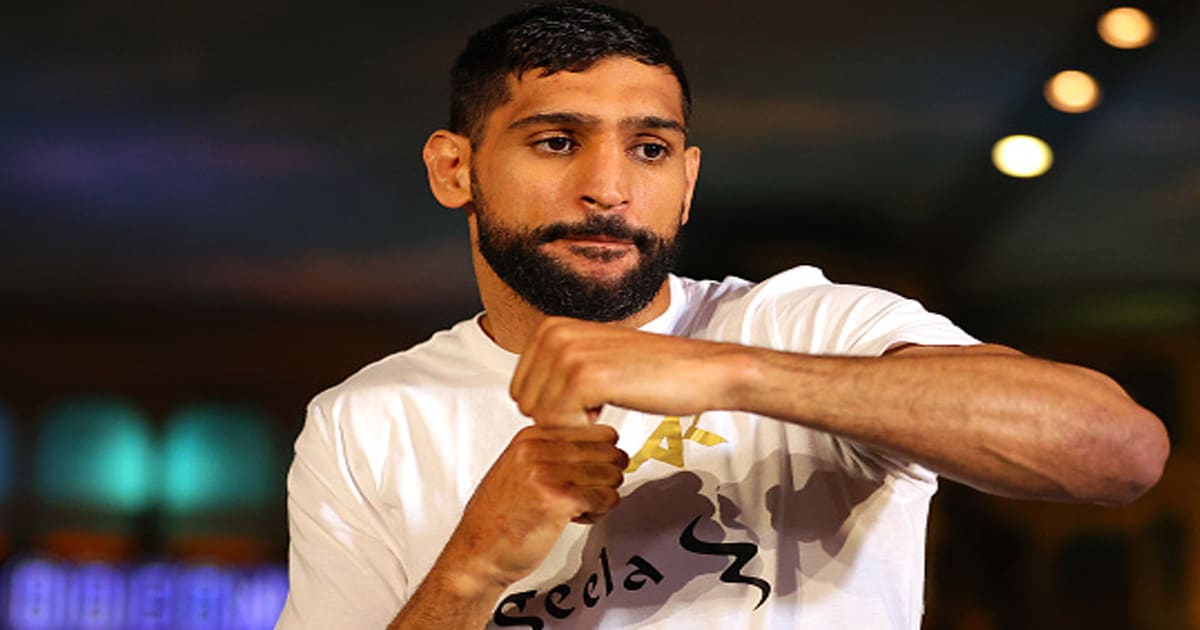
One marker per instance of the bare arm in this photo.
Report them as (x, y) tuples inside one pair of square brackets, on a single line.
[(987, 415), (448, 600)]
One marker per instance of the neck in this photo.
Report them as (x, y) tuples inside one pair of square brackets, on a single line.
[(511, 321)]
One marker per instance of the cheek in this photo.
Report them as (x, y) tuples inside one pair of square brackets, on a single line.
[(664, 198), (523, 191)]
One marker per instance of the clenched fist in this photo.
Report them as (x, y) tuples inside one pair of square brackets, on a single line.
[(572, 368), (545, 478)]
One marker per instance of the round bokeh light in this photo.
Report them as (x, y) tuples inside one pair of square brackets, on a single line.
[(1022, 156)]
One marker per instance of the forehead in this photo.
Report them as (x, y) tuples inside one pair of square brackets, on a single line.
[(612, 89)]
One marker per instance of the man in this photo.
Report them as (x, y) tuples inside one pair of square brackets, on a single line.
[(699, 454)]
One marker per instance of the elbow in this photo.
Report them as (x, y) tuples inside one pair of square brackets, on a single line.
[(1138, 458), (1150, 455)]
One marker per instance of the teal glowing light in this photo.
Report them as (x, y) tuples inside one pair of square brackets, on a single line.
[(95, 453), (218, 457), (8, 452)]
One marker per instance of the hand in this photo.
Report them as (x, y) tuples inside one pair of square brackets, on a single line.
[(546, 477), (571, 368)]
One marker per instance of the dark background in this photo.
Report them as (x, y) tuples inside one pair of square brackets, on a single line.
[(224, 201)]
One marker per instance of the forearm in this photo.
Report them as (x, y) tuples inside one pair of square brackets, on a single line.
[(989, 417), (449, 599), (545, 478)]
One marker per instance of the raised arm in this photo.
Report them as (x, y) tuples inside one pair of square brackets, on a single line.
[(545, 478), (985, 415), (345, 573)]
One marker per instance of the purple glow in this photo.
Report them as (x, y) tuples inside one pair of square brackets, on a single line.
[(204, 599), (259, 597), (95, 597), (132, 166), (151, 593), (39, 595), (48, 595)]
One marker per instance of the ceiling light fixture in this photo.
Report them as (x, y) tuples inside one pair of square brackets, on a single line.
[(1022, 156), (1072, 91), (1126, 27)]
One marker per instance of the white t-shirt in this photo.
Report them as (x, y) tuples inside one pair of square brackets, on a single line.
[(727, 520)]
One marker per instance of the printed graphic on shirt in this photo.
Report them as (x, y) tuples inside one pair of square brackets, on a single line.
[(640, 557), (665, 444), (561, 601), (741, 544)]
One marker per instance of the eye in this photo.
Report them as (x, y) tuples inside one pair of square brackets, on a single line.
[(651, 151), (556, 144)]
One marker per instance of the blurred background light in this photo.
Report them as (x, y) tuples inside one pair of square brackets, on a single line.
[(1072, 91), (38, 598), (204, 598), (1022, 156), (96, 453), (260, 595), (1126, 27), (45, 593), (95, 597), (151, 597), (218, 457)]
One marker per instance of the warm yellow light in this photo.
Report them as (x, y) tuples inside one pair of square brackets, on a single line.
[(1022, 156), (1072, 91), (1126, 27)]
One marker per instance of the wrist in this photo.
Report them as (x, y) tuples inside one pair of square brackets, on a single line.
[(449, 596), (465, 582), (741, 373)]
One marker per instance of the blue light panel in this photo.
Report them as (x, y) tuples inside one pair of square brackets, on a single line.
[(204, 599), (95, 597), (46, 595), (97, 453), (259, 596), (38, 599), (151, 597), (219, 457)]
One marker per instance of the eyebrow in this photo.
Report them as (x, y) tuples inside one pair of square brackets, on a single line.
[(587, 120)]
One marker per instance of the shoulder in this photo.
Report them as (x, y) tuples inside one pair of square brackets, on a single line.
[(401, 400), (733, 290), (801, 310), (390, 390)]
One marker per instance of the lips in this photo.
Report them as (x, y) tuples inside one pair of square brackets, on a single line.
[(600, 249), (597, 239), (600, 232)]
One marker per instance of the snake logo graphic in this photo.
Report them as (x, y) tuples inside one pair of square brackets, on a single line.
[(742, 554)]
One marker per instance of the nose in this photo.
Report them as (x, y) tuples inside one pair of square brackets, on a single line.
[(604, 178)]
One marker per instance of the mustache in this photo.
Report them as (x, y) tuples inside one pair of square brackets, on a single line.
[(610, 226)]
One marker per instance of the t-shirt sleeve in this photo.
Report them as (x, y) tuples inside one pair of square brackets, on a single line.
[(342, 571), (849, 320), (841, 319)]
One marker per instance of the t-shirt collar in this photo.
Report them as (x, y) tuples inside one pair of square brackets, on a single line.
[(488, 351)]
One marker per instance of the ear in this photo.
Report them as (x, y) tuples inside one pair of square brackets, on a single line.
[(691, 166), (447, 158)]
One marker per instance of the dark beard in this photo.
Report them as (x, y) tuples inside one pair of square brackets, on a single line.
[(554, 289)]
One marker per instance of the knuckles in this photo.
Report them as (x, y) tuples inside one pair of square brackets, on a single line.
[(606, 433), (564, 473), (575, 355), (562, 338), (555, 330), (602, 499)]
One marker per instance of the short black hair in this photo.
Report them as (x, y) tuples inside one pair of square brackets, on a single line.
[(553, 37)]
